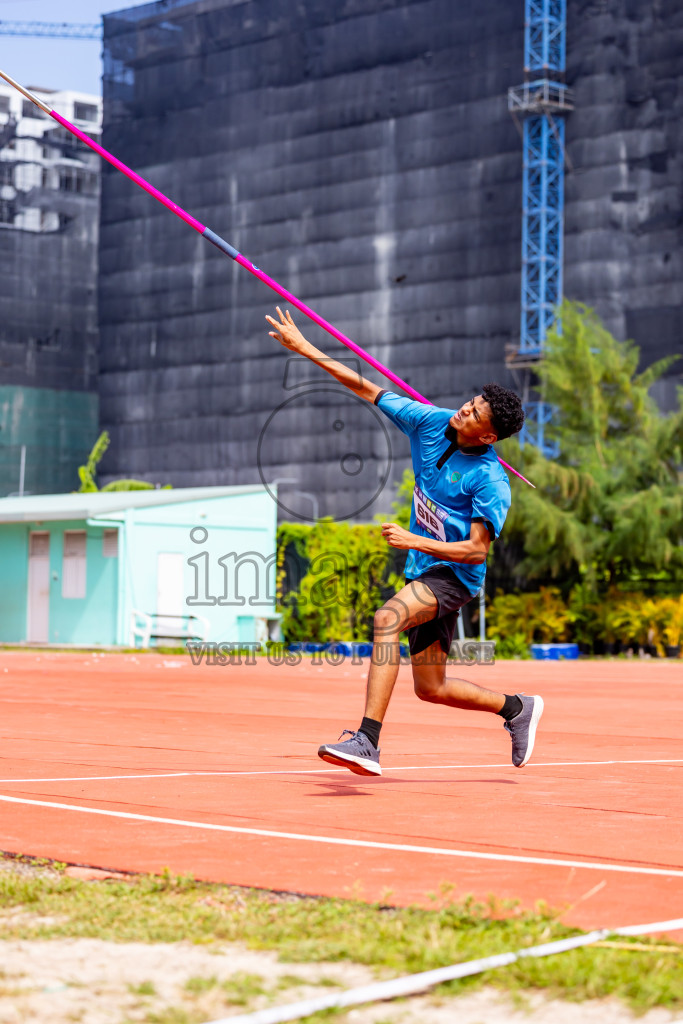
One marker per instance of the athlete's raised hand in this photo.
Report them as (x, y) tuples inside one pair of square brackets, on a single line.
[(287, 333)]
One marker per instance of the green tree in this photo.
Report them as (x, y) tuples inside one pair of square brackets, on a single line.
[(609, 509), (404, 500), (348, 570), (86, 473)]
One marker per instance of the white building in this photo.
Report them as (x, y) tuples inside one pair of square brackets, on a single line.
[(39, 158), (49, 221)]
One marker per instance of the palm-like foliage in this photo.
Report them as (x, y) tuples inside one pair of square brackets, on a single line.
[(86, 474), (610, 507)]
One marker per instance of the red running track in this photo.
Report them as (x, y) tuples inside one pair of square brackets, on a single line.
[(592, 825)]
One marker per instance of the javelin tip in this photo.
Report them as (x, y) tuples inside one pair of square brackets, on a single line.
[(516, 472), (25, 92)]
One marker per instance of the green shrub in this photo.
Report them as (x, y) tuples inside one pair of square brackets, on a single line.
[(347, 576), (538, 617), (515, 646), (515, 620)]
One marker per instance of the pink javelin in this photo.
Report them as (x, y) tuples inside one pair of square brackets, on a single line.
[(229, 250)]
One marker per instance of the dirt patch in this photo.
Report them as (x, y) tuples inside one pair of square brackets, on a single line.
[(96, 982)]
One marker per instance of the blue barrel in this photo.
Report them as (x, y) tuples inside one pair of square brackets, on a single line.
[(362, 649), (341, 647), (555, 652)]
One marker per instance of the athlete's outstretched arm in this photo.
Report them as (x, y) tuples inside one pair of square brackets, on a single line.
[(291, 337)]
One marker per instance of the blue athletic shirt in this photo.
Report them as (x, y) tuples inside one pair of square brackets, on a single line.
[(467, 487)]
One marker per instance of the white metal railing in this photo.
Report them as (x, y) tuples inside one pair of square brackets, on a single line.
[(148, 626), (542, 95)]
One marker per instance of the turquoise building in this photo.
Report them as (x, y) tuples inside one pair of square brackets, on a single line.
[(138, 568)]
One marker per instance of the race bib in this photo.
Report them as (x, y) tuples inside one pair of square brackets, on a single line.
[(429, 514)]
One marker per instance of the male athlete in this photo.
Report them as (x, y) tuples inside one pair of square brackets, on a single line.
[(460, 502)]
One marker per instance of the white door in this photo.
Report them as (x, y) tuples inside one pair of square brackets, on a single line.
[(38, 611), (170, 593), (73, 563)]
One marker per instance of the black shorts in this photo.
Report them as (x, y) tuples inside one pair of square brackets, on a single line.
[(451, 595)]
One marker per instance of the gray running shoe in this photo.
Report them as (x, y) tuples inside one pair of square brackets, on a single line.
[(358, 754), (522, 729)]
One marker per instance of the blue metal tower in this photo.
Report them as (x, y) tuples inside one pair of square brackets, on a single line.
[(542, 101), (60, 29), (545, 35)]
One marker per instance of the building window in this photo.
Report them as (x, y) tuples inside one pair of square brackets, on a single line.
[(66, 143), (86, 112), (68, 179), (4, 105), (8, 211), (6, 173), (73, 564), (29, 109), (73, 179), (110, 544), (39, 545)]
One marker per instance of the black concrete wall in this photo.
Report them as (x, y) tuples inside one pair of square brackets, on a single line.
[(48, 347), (624, 193), (363, 155), (48, 309)]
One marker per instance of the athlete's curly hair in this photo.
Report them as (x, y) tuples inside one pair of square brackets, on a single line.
[(507, 415)]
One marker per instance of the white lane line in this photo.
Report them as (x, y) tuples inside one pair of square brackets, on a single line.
[(365, 843), (334, 771)]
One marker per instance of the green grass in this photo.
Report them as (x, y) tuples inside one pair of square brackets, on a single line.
[(242, 987), (196, 985), (145, 988), (286, 981), (172, 1015), (305, 929)]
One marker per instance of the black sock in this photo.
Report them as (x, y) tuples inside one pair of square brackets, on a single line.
[(370, 728), (510, 708)]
